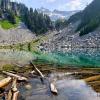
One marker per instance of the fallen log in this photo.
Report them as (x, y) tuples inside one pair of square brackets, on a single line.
[(10, 94), (13, 92), (38, 71), (15, 95), (92, 78), (20, 78), (5, 82), (14, 85), (32, 72), (53, 88)]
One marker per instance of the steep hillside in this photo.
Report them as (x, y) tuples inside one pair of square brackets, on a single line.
[(20, 34), (89, 17), (38, 23)]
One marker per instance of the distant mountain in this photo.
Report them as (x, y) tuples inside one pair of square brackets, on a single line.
[(56, 14)]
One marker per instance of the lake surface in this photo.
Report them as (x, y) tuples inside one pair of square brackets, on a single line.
[(15, 56), (77, 57), (68, 88)]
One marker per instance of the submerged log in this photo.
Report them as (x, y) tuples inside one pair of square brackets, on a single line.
[(38, 71), (20, 78), (53, 88), (5, 82)]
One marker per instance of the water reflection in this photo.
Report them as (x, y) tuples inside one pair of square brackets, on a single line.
[(68, 89), (15, 56)]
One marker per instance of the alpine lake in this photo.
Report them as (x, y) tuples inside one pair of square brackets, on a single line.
[(59, 65)]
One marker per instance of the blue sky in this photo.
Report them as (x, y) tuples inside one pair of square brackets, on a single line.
[(67, 5)]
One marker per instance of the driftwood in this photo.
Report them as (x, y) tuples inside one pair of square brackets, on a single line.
[(10, 94), (5, 82), (15, 95), (92, 78), (38, 71), (14, 85), (16, 76), (32, 72), (13, 92), (53, 88)]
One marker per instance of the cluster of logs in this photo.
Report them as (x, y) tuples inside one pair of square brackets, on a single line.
[(13, 91), (12, 79), (51, 83)]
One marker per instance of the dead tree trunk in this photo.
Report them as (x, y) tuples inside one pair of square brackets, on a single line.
[(38, 71), (5, 82), (16, 76)]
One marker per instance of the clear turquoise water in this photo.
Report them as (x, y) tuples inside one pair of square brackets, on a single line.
[(76, 57)]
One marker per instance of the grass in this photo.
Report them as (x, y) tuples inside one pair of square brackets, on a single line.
[(5, 24)]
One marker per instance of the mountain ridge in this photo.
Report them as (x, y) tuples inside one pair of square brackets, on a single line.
[(57, 14)]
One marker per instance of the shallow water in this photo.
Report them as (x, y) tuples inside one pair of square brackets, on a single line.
[(77, 57), (15, 56), (68, 89)]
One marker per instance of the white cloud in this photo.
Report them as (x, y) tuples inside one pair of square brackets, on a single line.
[(75, 5), (48, 1)]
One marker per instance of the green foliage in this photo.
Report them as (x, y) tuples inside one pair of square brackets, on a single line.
[(5, 24), (37, 22), (74, 18), (90, 27), (11, 16), (60, 24), (89, 17), (8, 67)]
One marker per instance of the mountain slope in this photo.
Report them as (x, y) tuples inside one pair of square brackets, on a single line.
[(20, 34), (89, 17)]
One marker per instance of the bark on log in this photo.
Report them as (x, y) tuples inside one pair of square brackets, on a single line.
[(15, 95), (53, 88), (38, 71), (16, 76), (92, 78), (32, 72), (5, 82), (14, 85), (10, 94)]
